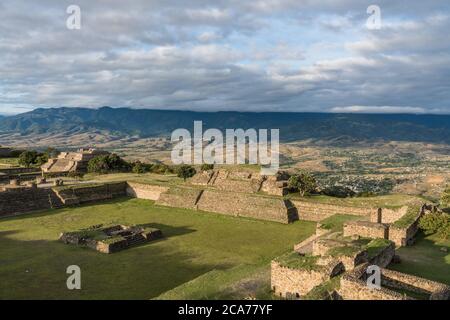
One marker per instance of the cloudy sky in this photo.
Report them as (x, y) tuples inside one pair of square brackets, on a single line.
[(259, 55)]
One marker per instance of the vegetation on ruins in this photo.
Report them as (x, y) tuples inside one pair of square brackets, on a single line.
[(107, 164), (185, 171), (139, 167), (323, 291), (207, 167), (445, 198), (349, 249), (409, 218), (336, 221), (436, 223), (303, 182), (375, 246), (32, 158), (294, 260)]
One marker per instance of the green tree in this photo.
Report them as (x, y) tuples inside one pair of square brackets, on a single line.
[(108, 164), (139, 167), (436, 223), (445, 198), (186, 171), (303, 182), (28, 158)]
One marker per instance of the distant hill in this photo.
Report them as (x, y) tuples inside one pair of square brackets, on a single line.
[(293, 126)]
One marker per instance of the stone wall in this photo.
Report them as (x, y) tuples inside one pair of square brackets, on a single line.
[(145, 191), (180, 197), (15, 171), (385, 215), (366, 229), (247, 205), (403, 236), (25, 199), (313, 211), (403, 281), (354, 286), (73, 195), (287, 282)]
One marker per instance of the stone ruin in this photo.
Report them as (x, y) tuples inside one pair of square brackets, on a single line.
[(111, 239), (243, 181), (327, 257), (71, 161), (394, 286)]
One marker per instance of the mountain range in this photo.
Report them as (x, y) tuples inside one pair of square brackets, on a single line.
[(143, 123)]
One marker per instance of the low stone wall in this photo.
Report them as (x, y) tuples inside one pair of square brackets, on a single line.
[(294, 283), (145, 191), (385, 215), (15, 171), (25, 199), (403, 281), (313, 211), (78, 194), (366, 229), (354, 286), (403, 236), (247, 205)]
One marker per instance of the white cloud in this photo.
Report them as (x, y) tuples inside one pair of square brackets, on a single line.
[(285, 55)]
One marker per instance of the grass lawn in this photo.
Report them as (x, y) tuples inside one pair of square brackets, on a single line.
[(9, 162), (336, 222), (425, 259), (202, 255)]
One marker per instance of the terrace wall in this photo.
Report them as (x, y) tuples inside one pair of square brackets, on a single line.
[(402, 236), (366, 229), (145, 191), (287, 282), (247, 205), (91, 193), (313, 211), (180, 197), (24, 199), (385, 215)]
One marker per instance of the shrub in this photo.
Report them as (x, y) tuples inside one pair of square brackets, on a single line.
[(161, 168), (338, 191), (303, 182), (108, 163), (445, 199), (436, 223), (185, 171), (139, 167)]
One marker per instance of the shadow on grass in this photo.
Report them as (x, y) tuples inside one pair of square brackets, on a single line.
[(36, 269), (44, 213), (425, 259)]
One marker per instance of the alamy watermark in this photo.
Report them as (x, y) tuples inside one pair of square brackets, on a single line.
[(73, 22), (239, 147), (374, 277), (374, 20), (74, 280)]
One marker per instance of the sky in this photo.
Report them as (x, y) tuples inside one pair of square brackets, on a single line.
[(259, 55)]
